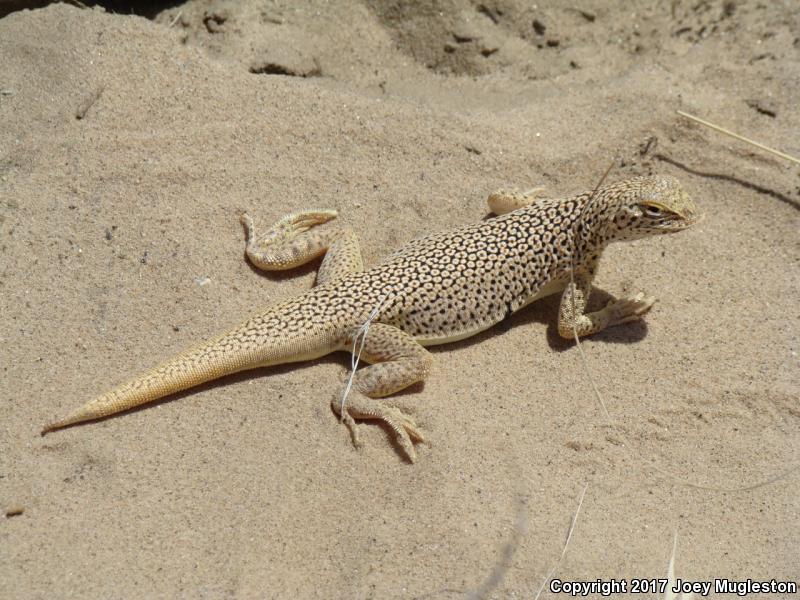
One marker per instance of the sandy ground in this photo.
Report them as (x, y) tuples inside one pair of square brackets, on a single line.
[(128, 149)]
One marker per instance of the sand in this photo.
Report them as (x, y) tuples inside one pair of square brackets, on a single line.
[(128, 149)]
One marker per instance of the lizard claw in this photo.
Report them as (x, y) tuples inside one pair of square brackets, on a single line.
[(626, 310), (353, 427), (362, 407), (405, 429)]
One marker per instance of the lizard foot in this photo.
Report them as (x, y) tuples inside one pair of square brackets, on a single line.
[(288, 243), (628, 309), (358, 406)]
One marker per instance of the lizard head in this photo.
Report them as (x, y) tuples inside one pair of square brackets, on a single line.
[(648, 206)]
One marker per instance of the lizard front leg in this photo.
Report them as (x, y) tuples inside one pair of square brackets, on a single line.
[(399, 362), (572, 317), (295, 240)]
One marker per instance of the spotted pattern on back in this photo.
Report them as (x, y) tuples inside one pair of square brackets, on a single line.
[(454, 282), (450, 284)]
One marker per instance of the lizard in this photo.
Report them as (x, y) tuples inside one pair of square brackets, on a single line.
[(436, 289)]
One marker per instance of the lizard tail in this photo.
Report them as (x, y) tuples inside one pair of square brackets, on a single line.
[(186, 370), (229, 353)]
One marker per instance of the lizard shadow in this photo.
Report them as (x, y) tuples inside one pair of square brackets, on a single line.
[(732, 179), (337, 387), (545, 312), (298, 272)]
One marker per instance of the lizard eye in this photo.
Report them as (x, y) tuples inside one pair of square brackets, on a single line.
[(652, 211)]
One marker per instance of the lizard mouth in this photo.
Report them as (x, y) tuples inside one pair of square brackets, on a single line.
[(686, 220)]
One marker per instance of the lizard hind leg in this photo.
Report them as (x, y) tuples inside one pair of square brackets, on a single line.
[(295, 240), (399, 361), (342, 258)]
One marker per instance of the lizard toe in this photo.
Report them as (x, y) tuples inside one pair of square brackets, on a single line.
[(626, 310), (363, 407)]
